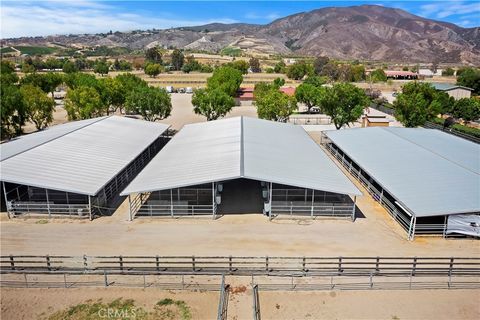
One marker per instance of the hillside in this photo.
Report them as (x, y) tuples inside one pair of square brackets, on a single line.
[(358, 32)]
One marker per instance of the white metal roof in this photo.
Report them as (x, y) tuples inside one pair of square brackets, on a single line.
[(79, 157), (242, 147), (429, 172)]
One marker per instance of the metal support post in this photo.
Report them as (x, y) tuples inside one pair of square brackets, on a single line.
[(214, 211), (354, 207), (90, 208), (270, 214), (130, 215), (6, 199), (48, 204), (313, 200), (171, 202)]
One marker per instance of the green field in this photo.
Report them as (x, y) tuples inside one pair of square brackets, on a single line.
[(231, 51), (6, 50), (33, 51)]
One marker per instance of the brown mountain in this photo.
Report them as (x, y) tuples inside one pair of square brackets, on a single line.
[(360, 32)]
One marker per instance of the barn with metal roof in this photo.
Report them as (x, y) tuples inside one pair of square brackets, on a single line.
[(242, 165), (76, 168), (427, 179)]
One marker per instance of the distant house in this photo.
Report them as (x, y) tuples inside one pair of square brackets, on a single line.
[(245, 95), (429, 73), (453, 90)]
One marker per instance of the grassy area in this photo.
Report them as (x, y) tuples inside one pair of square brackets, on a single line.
[(461, 128), (166, 309), (33, 51), (6, 50), (231, 51)]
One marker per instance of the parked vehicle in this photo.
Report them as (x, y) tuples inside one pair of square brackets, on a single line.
[(189, 90), (181, 90), (169, 89)]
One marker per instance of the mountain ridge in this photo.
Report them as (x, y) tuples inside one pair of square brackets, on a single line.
[(365, 32)]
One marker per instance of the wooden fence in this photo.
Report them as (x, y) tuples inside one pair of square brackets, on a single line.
[(218, 265)]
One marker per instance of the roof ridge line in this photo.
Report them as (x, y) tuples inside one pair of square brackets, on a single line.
[(242, 149), (60, 136), (431, 151)]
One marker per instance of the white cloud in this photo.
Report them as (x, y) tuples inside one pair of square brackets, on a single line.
[(62, 17), (444, 9), (268, 16)]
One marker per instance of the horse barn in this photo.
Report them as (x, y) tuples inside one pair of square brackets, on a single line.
[(241, 165), (78, 168), (428, 180)]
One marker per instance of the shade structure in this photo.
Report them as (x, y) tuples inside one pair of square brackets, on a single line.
[(79, 157), (242, 147), (428, 172)]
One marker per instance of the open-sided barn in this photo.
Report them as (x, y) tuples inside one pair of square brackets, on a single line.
[(428, 180), (78, 168), (241, 165)]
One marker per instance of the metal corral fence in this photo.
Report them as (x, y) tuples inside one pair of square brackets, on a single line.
[(370, 282), (145, 280), (432, 125), (242, 265), (223, 303), (256, 302)]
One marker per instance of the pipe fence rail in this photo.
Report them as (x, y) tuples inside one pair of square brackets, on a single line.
[(218, 265), (223, 303), (256, 303)]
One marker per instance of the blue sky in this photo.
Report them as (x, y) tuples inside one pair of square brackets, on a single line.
[(34, 18)]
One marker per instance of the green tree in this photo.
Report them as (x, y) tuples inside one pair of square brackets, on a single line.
[(343, 102), (280, 67), (227, 79), (279, 82), (316, 81), (84, 102), (255, 65), (77, 79), (319, 63), (191, 65), (13, 111), (7, 73), (467, 108), (212, 103), (154, 55), (330, 70), (358, 73), (448, 72), (416, 104), (177, 59), (378, 75), (69, 67), (121, 87), (28, 68), (275, 105), (240, 65), (297, 71), (101, 67), (153, 69), (152, 103), (307, 94), (470, 77), (39, 106)]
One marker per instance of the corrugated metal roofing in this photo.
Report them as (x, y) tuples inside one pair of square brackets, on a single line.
[(79, 157), (429, 172), (448, 86), (242, 148), (26, 142)]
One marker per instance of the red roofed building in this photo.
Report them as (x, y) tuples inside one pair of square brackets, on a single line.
[(393, 74)]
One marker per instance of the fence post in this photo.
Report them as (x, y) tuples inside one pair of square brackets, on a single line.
[(120, 260), (144, 281), (377, 265), (414, 267), (410, 286), (26, 281), (183, 281), (105, 277), (157, 262), (304, 265), (85, 262), (266, 264), (48, 263), (340, 265), (371, 280), (230, 264), (12, 263), (193, 263)]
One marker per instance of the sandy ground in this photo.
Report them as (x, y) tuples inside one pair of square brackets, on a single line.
[(397, 304), (29, 304), (426, 304)]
